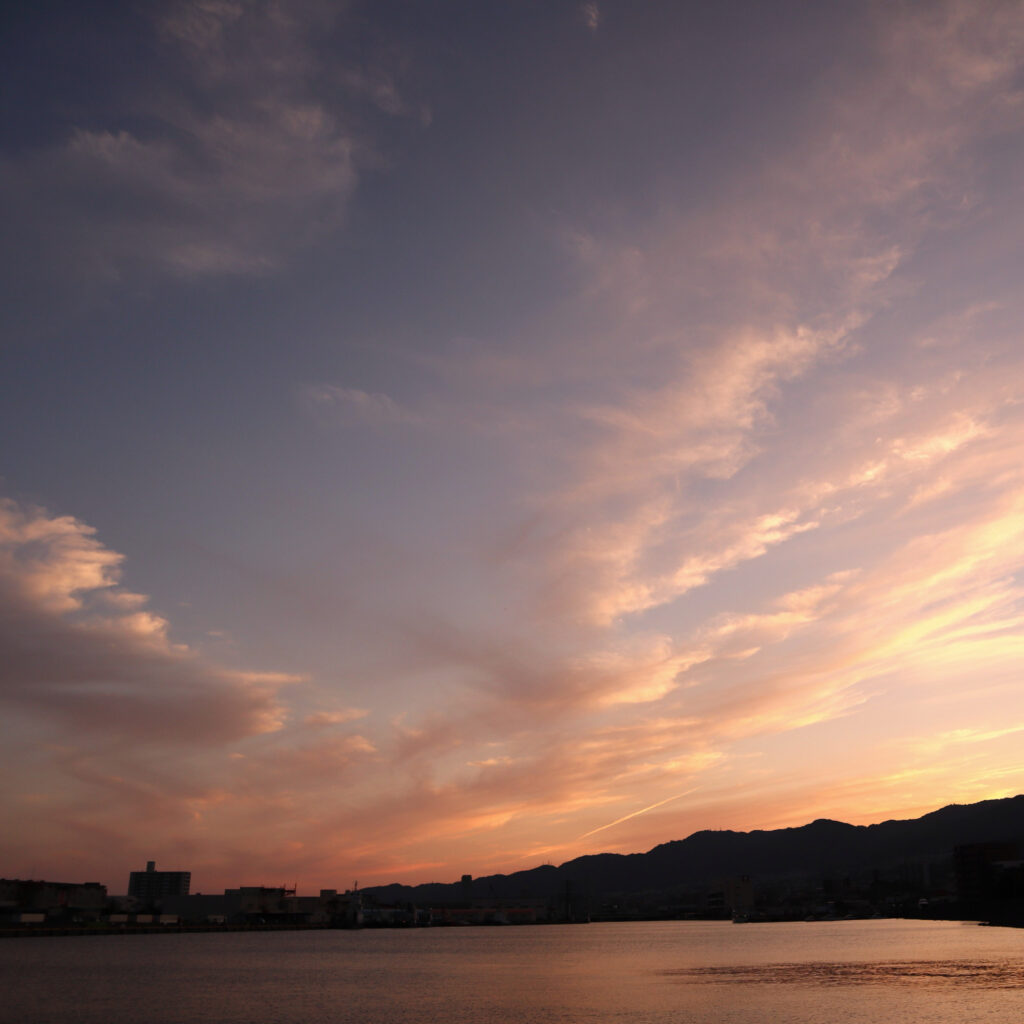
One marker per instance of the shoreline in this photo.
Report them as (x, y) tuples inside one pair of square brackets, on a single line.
[(67, 931)]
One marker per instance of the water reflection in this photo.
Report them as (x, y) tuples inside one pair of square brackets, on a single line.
[(977, 973), (670, 972)]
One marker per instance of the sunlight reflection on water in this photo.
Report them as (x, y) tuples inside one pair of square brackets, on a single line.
[(981, 974)]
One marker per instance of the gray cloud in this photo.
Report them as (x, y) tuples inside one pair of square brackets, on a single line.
[(331, 403), (232, 160)]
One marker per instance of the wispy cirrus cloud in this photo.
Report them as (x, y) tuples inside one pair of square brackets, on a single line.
[(724, 445), (751, 402), (734, 310)]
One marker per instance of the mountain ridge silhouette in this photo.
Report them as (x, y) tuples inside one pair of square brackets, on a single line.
[(819, 848)]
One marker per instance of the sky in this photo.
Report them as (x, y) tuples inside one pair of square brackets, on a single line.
[(455, 437)]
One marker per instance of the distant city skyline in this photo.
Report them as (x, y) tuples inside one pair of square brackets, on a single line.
[(447, 438)]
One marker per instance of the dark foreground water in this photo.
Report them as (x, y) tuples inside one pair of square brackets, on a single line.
[(883, 972)]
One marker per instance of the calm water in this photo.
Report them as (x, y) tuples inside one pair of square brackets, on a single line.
[(646, 973)]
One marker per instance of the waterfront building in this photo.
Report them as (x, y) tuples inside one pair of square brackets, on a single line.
[(152, 886), (31, 901)]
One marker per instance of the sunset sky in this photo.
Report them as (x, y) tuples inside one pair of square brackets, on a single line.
[(452, 437)]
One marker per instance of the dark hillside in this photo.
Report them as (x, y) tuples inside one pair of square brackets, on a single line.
[(820, 848)]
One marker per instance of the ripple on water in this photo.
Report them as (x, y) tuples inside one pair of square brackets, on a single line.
[(976, 973)]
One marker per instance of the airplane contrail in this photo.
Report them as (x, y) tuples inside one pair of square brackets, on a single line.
[(643, 810)]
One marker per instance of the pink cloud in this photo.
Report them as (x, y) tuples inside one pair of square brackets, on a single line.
[(81, 651)]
